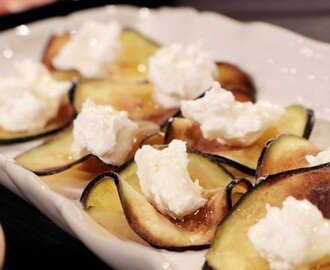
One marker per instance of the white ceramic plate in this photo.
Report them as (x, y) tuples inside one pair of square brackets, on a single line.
[(286, 67)]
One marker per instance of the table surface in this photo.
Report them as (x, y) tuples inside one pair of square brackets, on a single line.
[(31, 238)]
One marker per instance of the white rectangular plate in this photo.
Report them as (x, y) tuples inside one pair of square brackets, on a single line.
[(287, 68)]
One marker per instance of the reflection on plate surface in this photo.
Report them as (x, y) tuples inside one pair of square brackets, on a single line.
[(286, 67)]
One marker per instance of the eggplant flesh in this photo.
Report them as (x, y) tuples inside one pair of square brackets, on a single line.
[(285, 152), (231, 248), (194, 232), (297, 120), (135, 98)]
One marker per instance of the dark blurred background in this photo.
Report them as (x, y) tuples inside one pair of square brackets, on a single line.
[(310, 18)]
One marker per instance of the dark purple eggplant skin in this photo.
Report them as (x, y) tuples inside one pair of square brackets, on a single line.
[(54, 131), (232, 184), (310, 123), (70, 165), (93, 182), (234, 164)]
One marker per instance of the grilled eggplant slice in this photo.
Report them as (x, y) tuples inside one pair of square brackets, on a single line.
[(64, 118), (285, 152), (161, 231), (55, 155), (231, 248), (135, 98), (297, 120), (237, 81), (130, 64)]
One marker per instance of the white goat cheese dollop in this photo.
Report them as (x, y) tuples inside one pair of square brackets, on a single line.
[(165, 181), (94, 44), (229, 121), (103, 131), (180, 72), (291, 237)]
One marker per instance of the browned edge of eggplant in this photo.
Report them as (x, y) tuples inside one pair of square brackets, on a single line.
[(244, 85), (28, 138)]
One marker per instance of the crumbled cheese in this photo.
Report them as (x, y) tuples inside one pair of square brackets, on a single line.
[(29, 97), (180, 72), (103, 131), (165, 181), (93, 45), (291, 237), (229, 121), (320, 158)]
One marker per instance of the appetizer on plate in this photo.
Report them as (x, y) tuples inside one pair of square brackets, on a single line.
[(164, 146)]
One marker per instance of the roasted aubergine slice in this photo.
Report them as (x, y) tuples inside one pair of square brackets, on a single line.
[(195, 231), (231, 247), (237, 81), (285, 152), (135, 98)]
